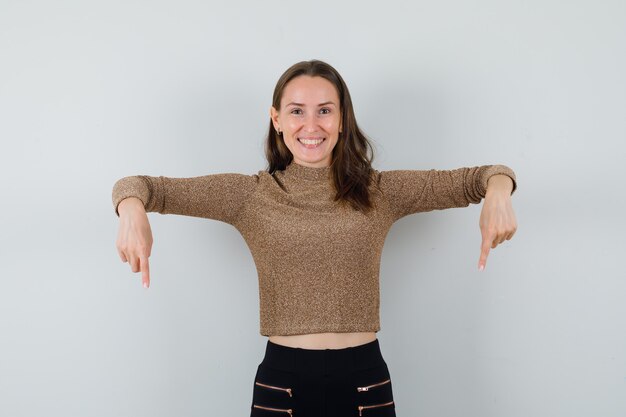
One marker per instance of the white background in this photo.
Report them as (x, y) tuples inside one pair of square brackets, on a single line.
[(94, 91)]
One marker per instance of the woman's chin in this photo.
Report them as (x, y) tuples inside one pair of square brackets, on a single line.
[(312, 161)]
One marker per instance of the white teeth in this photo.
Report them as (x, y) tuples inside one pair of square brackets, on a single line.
[(311, 141)]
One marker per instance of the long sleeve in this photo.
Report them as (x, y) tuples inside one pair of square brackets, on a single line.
[(413, 191), (217, 196)]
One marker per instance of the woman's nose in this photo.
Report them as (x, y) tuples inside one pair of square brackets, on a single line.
[(310, 122)]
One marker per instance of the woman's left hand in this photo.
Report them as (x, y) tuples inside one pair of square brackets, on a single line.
[(497, 219)]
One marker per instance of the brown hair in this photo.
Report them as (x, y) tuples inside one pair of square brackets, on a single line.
[(352, 156)]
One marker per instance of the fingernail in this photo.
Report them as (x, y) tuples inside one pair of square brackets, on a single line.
[(481, 267), (145, 285)]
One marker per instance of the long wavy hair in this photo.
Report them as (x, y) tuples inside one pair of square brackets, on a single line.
[(352, 156)]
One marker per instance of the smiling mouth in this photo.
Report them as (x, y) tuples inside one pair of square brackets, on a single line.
[(311, 143)]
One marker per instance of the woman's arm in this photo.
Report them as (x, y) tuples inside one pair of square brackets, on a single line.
[(216, 196), (414, 191)]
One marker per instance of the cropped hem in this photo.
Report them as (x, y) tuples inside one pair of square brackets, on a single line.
[(290, 331)]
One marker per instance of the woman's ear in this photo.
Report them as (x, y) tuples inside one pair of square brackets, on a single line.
[(274, 117)]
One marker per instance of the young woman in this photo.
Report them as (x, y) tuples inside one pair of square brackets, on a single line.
[(315, 221)]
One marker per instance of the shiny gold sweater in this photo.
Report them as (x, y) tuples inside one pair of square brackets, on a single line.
[(317, 260)]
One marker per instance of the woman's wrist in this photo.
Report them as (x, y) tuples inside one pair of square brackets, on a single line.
[(499, 183), (130, 203)]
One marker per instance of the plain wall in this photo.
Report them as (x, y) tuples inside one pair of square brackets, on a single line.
[(94, 91)]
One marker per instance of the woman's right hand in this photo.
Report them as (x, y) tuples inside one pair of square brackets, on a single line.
[(134, 237)]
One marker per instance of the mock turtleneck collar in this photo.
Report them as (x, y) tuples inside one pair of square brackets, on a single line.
[(307, 173)]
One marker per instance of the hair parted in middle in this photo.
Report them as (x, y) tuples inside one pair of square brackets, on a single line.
[(352, 156)]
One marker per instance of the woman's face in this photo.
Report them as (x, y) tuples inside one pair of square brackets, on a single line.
[(309, 119)]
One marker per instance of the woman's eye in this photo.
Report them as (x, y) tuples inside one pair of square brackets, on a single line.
[(325, 110), (295, 111)]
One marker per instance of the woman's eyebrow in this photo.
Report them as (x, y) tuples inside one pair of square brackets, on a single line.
[(302, 105)]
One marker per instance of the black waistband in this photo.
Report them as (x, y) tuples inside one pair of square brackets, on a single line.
[(293, 359)]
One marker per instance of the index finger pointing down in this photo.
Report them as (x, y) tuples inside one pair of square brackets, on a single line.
[(145, 271)]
